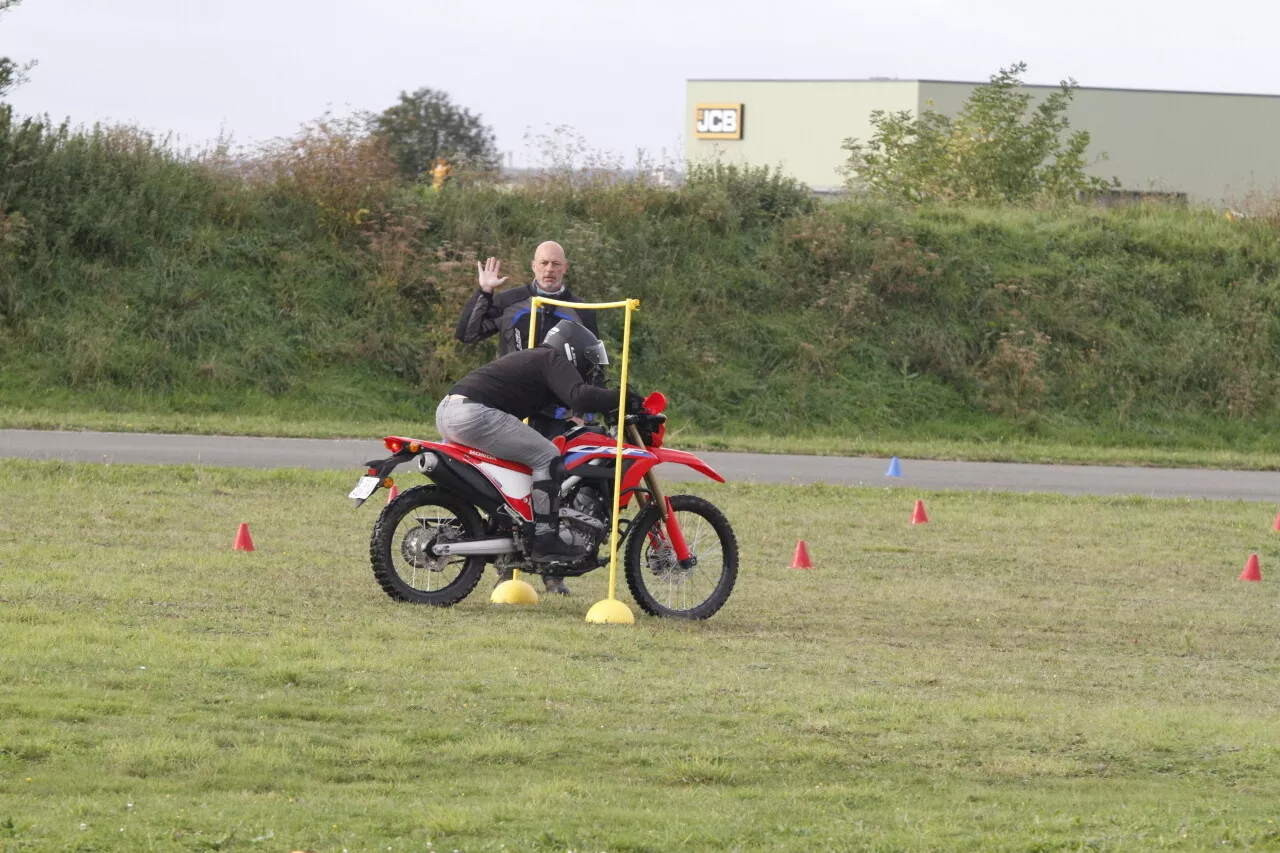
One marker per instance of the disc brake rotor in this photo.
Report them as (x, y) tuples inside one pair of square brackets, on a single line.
[(662, 561)]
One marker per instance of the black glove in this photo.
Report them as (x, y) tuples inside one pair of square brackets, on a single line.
[(635, 402)]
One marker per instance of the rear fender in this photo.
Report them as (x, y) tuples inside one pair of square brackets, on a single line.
[(382, 468)]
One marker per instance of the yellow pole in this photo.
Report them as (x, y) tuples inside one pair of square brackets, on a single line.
[(546, 300), (536, 303), (609, 611), (533, 330), (631, 305)]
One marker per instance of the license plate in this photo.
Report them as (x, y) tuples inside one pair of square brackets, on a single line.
[(364, 488)]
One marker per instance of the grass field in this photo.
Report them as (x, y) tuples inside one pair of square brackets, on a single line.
[(1022, 673)]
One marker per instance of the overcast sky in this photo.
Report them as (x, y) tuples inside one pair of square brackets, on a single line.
[(613, 71)]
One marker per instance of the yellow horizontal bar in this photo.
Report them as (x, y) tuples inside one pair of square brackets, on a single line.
[(626, 303)]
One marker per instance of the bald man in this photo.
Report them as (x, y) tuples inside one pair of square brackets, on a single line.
[(506, 313), (489, 312)]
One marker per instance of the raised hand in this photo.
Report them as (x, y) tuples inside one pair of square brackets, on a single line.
[(489, 281)]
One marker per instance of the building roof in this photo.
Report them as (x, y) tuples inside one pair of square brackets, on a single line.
[(974, 83)]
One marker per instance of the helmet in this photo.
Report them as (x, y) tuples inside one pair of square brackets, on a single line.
[(583, 349)]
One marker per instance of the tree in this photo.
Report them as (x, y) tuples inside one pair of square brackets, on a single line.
[(11, 73), (427, 124), (989, 152)]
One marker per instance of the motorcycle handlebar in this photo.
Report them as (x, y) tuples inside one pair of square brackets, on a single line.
[(645, 417)]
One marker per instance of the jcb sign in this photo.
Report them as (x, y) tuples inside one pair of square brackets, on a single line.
[(718, 121)]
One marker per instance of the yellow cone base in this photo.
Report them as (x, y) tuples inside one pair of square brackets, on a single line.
[(513, 592), (611, 611)]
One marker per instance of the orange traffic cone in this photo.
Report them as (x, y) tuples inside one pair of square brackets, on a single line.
[(1251, 570), (244, 542), (919, 516), (801, 559), (1276, 524), (392, 493)]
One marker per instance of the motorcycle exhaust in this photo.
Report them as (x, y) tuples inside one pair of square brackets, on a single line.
[(427, 462), (475, 546)]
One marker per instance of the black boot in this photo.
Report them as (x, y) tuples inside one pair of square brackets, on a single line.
[(555, 585), (548, 546)]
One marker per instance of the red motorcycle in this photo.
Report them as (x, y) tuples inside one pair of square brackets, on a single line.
[(430, 545)]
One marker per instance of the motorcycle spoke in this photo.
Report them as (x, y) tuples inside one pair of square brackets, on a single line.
[(696, 589), (404, 542), (426, 573), (680, 588)]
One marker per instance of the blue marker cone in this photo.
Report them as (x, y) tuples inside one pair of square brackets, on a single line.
[(895, 468)]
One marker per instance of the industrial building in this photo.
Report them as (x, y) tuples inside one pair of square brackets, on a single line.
[(1212, 148)]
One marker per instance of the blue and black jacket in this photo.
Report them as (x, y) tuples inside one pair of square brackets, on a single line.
[(506, 314)]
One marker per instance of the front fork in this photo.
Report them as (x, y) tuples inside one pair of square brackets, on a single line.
[(674, 533)]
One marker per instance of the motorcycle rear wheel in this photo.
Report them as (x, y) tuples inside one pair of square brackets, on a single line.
[(659, 584), (400, 548)]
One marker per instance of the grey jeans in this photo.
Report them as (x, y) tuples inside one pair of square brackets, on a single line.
[(494, 431)]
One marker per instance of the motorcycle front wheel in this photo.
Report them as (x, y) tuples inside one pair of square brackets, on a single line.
[(659, 583), (401, 547)]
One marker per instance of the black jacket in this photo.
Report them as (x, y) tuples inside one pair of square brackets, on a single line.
[(507, 314), (525, 382)]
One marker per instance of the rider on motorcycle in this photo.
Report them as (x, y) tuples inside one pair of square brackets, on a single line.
[(485, 408)]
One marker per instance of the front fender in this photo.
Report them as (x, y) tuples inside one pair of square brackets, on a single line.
[(681, 457)]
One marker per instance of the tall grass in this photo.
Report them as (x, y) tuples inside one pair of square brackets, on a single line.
[(139, 269), (131, 271)]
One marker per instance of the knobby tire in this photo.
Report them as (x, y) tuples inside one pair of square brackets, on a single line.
[(384, 547), (656, 590)]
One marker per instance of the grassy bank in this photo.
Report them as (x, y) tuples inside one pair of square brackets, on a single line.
[(1024, 672), (307, 286)]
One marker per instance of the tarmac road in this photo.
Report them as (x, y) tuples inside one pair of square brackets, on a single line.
[(349, 454)]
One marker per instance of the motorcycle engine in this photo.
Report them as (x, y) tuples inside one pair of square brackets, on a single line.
[(584, 518)]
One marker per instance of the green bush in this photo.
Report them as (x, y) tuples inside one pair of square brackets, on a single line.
[(143, 269), (990, 152), (756, 195)]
